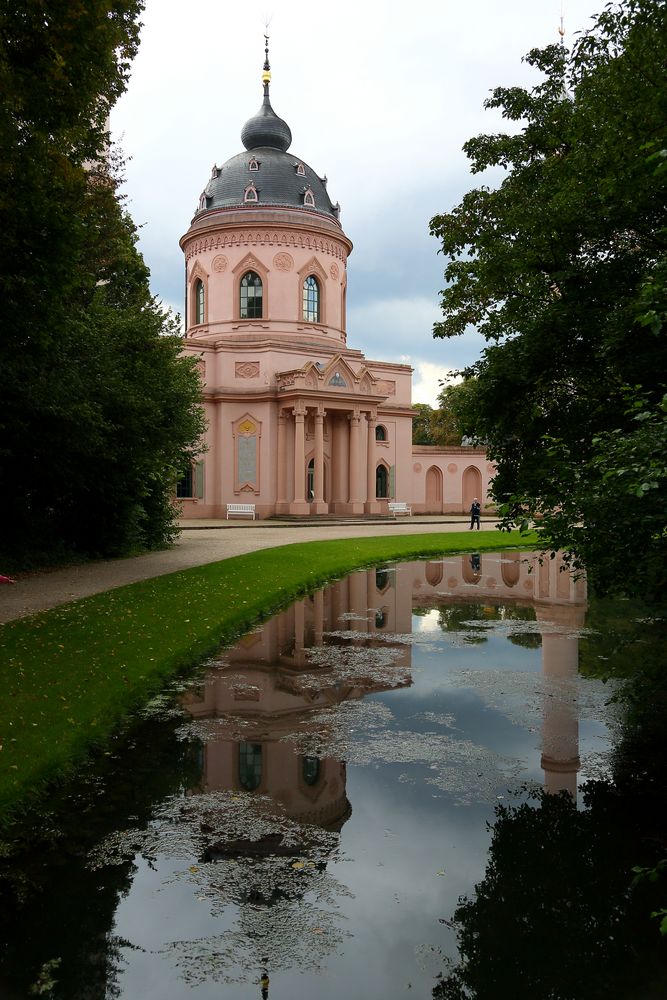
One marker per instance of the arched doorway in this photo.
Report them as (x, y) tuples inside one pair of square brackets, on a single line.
[(310, 481), (434, 490), (381, 482)]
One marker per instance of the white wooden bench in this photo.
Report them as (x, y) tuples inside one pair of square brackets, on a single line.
[(397, 507), (241, 510)]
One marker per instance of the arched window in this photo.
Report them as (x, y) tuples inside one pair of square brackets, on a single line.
[(311, 300), (380, 433), (250, 765), (300, 170), (199, 301), (381, 483), (309, 198), (310, 769), (253, 164), (251, 296), (250, 193)]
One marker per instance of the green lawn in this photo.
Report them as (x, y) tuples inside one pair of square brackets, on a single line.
[(71, 675)]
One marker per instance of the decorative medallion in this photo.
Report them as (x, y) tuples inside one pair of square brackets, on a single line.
[(417, 467), (220, 263), (452, 468), (283, 262), (527, 584), (246, 369), (452, 582), (490, 467), (333, 271), (247, 427)]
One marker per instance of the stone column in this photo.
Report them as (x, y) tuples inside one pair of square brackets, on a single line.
[(281, 499), (318, 616), (371, 506), (356, 504), (318, 506), (559, 625), (299, 505)]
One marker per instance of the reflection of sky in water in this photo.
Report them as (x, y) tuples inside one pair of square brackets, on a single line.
[(426, 765)]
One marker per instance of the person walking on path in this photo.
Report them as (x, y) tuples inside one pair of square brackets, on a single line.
[(475, 511)]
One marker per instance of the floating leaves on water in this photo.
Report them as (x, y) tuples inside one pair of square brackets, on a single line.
[(213, 825)]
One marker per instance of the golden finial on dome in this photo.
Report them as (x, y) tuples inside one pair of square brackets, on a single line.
[(266, 74)]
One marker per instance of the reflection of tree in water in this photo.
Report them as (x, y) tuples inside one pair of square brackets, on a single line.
[(43, 863), (462, 618), (250, 860), (555, 915)]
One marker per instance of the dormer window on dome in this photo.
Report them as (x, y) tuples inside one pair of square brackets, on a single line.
[(250, 193), (309, 198), (202, 201), (253, 164), (300, 169)]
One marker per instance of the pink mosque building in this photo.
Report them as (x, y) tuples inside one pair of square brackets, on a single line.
[(299, 423)]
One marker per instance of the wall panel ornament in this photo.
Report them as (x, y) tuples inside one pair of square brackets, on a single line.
[(452, 468), (246, 369), (333, 271), (417, 467), (386, 388), (283, 261), (247, 432), (220, 263)]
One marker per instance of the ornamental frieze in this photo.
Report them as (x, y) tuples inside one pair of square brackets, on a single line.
[(296, 240)]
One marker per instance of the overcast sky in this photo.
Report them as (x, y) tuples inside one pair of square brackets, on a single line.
[(380, 97)]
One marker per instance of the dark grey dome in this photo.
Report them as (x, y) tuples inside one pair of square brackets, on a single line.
[(266, 174), (272, 177), (266, 129)]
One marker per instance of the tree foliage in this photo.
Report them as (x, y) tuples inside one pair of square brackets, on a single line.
[(562, 268), (451, 421), (98, 408)]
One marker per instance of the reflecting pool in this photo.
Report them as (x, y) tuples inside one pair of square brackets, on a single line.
[(312, 814)]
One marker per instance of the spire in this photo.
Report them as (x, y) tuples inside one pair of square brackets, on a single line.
[(266, 128), (561, 31)]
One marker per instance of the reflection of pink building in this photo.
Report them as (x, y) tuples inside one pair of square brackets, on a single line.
[(269, 686), (298, 422), (272, 683)]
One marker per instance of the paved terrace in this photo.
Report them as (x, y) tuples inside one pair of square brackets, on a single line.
[(199, 543)]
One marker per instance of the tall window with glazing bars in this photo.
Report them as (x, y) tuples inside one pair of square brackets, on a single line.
[(311, 300), (251, 296)]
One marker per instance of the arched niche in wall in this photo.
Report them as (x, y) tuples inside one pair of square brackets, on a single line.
[(433, 496), (433, 573), (510, 568), (471, 486)]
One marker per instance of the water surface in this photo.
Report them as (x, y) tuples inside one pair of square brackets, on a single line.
[(315, 804)]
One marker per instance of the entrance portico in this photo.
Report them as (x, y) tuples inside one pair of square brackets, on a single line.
[(335, 439)]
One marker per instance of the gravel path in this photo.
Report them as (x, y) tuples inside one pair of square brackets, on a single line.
[(201, 543)]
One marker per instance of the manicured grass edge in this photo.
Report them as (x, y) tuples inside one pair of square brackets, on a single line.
[(72, 675)]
